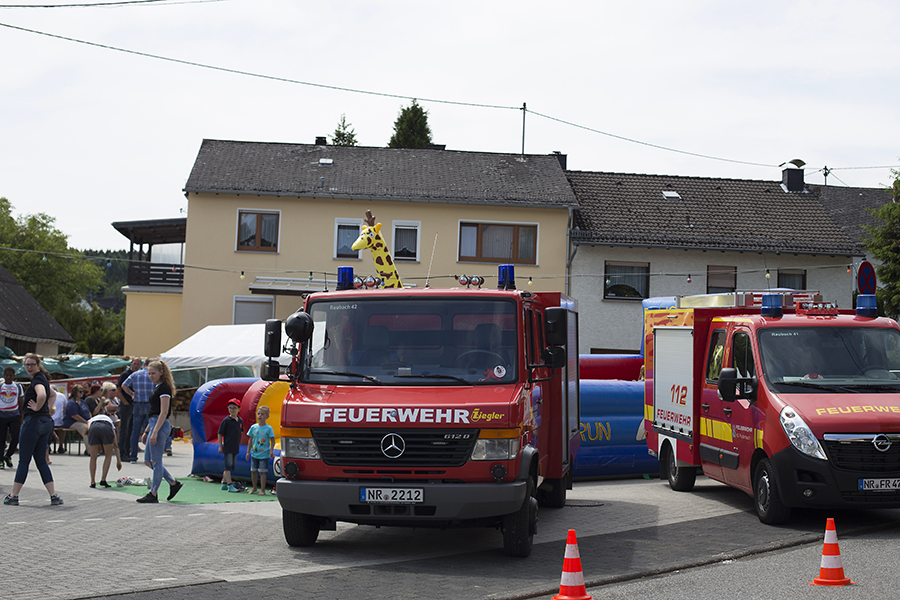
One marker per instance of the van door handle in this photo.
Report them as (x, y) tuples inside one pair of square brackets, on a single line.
[(727, 411), (705, 407)]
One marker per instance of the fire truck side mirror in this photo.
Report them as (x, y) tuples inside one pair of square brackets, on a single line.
[(271, 370), (554, 357), (732, 387), (556, 328), (272, 347)]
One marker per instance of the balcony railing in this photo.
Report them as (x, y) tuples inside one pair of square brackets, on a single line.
[(155, 274)]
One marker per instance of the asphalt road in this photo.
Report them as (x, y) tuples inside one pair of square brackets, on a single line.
[(636, 537)]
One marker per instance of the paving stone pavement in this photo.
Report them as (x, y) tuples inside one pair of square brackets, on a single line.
[(101, 543)]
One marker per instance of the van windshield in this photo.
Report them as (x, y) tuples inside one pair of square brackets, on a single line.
[(434, 341), (836, 358)]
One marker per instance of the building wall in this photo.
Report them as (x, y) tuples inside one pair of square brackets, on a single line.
[(152, 322), (306, 243), (617, 324)]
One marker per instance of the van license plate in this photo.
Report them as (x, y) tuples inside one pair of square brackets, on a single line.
[(879, 485), (379, 495)]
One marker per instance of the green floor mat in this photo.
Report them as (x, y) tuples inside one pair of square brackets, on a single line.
[(197, 491)]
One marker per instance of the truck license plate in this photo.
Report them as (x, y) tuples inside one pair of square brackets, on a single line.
[(391, 495), (879, 485)]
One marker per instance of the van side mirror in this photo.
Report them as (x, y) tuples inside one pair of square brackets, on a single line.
[(271, 370), (731, 387), (272, 347), (554, 357), (556, 330)]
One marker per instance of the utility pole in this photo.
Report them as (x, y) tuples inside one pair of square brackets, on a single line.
[(523, 130)]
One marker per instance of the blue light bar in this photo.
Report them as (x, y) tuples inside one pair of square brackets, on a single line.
[(866, 306), (771, 306), (345, 278), (507, 277)]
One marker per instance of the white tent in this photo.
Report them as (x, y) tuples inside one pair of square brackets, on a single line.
[(223, 346)]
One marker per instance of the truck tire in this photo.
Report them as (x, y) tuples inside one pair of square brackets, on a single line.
[(681, 479), (299, 529), (519, 527), (769, 507)]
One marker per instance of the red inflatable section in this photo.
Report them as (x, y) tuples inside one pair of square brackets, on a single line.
[(625, 367), (216, 407), (248, 406)]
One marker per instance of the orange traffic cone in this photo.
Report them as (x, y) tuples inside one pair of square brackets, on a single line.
[(571, 585), (832, 569)]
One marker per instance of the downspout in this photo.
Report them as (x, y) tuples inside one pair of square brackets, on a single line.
[(570, 255)]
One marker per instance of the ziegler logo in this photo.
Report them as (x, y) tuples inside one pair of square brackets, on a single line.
[(477, 415)]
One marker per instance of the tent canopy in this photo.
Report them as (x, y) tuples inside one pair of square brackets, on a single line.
[(223, 346)]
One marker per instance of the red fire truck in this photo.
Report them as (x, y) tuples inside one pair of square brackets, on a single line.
[(427, 407), (780, 395)]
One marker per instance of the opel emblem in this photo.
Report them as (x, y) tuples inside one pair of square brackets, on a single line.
[(881, 442), (393, 446)]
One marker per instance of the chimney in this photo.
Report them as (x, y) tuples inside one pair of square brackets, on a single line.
[(561, 158), (792, 175), (321, 141)]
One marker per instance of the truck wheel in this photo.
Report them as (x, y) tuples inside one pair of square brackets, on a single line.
[(681, 479), (299, 529), (769, 507), (519, 527)]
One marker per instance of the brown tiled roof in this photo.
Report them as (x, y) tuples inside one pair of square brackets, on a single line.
[(380, 173), (852, 207), (726, 214), (22, 317)]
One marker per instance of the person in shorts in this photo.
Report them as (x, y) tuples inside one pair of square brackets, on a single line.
[(230, 432), (260, 449), (102, 432)]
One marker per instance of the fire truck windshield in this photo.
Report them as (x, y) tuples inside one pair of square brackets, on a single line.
[(807, 358), (433, 341)]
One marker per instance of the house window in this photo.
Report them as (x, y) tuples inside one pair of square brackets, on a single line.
[(257, 231), (793, 279), (346, 231), (253, 309), (406, 240), (498, 242), (626, 280), (720, 279)]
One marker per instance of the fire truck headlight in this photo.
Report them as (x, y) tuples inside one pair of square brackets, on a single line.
[(300, 447), (800, 435), (495, 449)]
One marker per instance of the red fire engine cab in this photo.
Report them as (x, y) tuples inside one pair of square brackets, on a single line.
[(427, 407)]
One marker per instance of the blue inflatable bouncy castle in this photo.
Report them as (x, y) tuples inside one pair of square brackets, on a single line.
[(210, 405), (612, 412)]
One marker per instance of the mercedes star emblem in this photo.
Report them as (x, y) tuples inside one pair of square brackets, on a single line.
[(392, 445)]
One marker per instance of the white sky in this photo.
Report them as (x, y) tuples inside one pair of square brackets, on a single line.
[(91, 136)]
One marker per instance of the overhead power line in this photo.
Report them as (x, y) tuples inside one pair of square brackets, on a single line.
[(358, 91), (105, 4)]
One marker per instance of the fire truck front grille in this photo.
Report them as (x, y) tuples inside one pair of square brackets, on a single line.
[(864, 453), (399, 449)]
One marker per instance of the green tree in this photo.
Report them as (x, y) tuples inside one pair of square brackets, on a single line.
[(884, 244), (411, 128), (60, 278), (344, 134)]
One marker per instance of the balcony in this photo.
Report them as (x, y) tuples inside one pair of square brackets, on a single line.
[(145, 274)]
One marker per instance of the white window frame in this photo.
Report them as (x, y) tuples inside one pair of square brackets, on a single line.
[(338, 221), (625, 263), (256, 299), (417, 225), (258, 211)]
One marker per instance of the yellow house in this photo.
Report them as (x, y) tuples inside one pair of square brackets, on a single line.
[(268, 223)]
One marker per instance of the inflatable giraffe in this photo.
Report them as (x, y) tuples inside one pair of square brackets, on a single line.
[(370, 237)]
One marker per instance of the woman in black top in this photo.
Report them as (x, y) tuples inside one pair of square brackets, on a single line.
[(154, 436), (37, 427)]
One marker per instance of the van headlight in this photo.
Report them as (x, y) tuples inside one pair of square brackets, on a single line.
[(495, 449), (800, 434), (299, 447)]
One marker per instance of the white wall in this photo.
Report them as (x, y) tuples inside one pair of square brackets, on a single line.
[(617, 324)]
